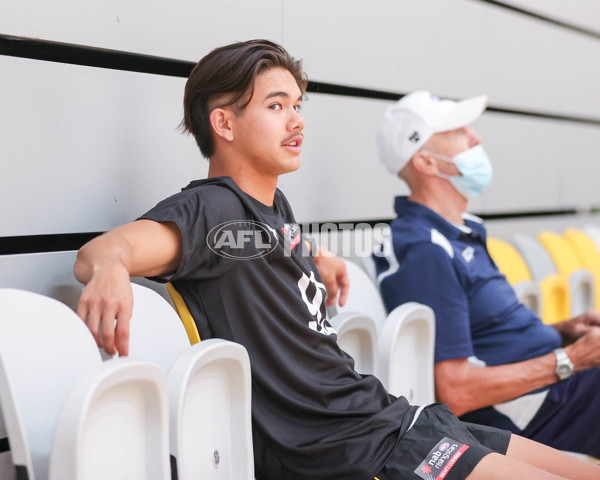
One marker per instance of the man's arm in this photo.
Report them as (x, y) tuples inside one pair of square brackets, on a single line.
[(464, 387), (105, 264), (333, 272)]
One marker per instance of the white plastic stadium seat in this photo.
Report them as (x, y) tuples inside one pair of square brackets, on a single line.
[(357, 336), (541, 265), (530, 295), (44, 350), (363, 296), (406, 353), (156, 332), (594, 232), (209, 404), (368, 266), (114, 424)]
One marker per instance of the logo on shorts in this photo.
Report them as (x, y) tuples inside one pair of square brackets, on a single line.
[(440, 459), (242, 239)]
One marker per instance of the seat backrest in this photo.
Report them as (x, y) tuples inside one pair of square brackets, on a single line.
[(405, 350), (593, 231), (511, 264), (535, 255), (564, 257), (556, 299), (509, 261), (588, 255), (581, 281), (530, 294), (114, 424), (357, 336), (363, 296), (210, 418), (184, 314), (44, 350), (156, 332)]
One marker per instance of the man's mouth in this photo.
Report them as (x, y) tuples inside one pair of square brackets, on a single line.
[(295, 141)]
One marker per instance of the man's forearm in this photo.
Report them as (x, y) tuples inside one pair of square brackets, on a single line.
[(108, 249), (465, 388)]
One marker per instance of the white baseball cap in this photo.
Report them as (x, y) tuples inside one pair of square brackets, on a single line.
[(415, 118)]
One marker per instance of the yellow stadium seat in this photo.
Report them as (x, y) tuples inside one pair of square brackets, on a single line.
[(184, 314), (581, 281), (564, 257), (509, 261), (589, 256), (555, 299)]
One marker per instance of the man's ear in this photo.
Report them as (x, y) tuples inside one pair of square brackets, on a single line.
[(220, 121), (424, 163)]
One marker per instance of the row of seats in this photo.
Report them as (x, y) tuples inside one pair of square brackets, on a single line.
[(69, 415), (556, 275), (405, 338), (397, 347)]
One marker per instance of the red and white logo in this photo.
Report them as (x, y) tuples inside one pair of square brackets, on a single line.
[(440, 459)]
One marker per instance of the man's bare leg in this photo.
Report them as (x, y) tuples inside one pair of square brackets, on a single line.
[(550, 459), (530, 460)]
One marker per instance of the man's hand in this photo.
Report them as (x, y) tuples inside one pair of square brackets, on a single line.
[(139, 249), (576, 327), (585, 352), (108, 297), (334, 275)]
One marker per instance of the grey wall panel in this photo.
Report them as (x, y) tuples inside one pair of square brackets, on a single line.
[(181, 29), (579, 13), (88, 149), (525, 160), (451, 47), (539, 164), (51, 274)]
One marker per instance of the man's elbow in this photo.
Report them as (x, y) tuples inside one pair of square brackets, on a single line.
[(456, 398)]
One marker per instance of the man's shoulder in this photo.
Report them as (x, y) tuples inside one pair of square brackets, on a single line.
[(212, 188), (410, 235), (200, 200), (219, 195)]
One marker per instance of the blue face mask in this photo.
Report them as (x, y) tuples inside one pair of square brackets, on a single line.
[(475, 168)]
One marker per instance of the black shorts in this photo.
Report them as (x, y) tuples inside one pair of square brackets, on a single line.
[(440, 446)]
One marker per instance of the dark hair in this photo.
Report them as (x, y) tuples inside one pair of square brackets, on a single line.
[(221, 79)]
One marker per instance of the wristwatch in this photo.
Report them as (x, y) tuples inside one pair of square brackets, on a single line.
[(564, 367)]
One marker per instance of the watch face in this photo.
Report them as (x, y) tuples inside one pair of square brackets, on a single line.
[(564, 371)]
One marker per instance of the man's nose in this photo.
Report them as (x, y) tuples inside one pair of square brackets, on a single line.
[(296, 122), (474, 138)]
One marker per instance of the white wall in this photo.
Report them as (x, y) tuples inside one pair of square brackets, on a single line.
[(85, 149)]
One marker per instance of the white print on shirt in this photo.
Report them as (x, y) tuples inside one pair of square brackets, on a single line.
[(314, 307), (468, 254)]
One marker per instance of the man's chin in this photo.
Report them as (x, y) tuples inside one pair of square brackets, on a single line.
[(291, 166)]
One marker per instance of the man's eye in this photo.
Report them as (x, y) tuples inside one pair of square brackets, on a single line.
[(275, 106), (298, 108)]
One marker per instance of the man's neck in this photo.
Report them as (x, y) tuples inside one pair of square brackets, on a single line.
[(259, 187), (446, 202)]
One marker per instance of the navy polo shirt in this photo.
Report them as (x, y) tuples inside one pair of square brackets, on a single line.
[(448, 268)]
